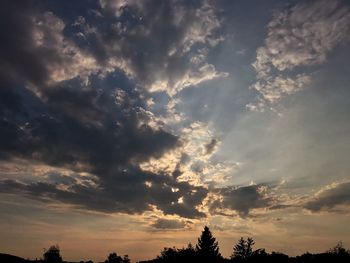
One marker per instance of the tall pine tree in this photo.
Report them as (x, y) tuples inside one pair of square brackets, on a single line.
[(207, 247), (243, 249)]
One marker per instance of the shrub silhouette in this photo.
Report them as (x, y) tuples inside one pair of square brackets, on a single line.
[(173, 254), (114, 258), (338, 249), (169, 255), (52, 255)]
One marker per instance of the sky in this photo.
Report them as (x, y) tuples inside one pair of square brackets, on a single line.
[(128, 126)]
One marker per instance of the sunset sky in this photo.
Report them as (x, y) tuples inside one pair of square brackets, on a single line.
[(129, 125)]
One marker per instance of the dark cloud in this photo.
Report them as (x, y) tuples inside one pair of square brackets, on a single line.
[(241, 199), (111, 149), (101, 126), (15, 16), (169, 224), (330, 198), (156, 40), (125, 192), (22, 59), (280, 206), (210, 147), (58, 178)]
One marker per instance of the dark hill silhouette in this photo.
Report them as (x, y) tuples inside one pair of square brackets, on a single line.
[(7, 258)]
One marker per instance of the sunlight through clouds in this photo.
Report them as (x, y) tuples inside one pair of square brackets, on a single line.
[(130, 124)]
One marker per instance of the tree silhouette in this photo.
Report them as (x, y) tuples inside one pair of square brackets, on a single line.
[(207, 251), (168, 254), (338, 249), (114, 258), (126, 259), (173, 254), (188, 253), (239, 249), (207, 246), (52, 255), (243, 249)]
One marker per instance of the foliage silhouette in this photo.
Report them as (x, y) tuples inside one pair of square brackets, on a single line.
[(338, 249), (52, 255), (173, 254), (207, 251), (207, 247), (114, 258), (243, 249)]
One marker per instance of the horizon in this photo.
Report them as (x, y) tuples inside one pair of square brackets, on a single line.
[(128, 125), (339, 246)]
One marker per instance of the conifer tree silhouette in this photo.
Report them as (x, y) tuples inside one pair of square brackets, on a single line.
[(243, 249), (207, 246)]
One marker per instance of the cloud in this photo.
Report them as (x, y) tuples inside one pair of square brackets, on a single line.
[(169, 224), (22, 59), (42, 54), (112, 194), (210, 147), (302, 35), (63, 107), (240, 199), (108, 142), (330, 197), (273, 89), (191, 162), (165, 48)]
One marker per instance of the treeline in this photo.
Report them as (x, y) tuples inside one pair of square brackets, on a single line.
[(206, 251)]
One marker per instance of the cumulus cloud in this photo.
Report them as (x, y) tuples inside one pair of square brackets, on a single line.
[(165, 47), (35, 50), (192, 161), (330, 197), (299, 36), (240, 199), (49, 116), (71, 61), (110, 142), (111, 149), (20, 58)]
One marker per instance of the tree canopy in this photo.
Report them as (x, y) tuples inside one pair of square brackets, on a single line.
[(114, 258), (243, 249), (52, 255)]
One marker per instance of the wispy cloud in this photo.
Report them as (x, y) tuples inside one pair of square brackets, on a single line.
[(330, 197), (300, 36)]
